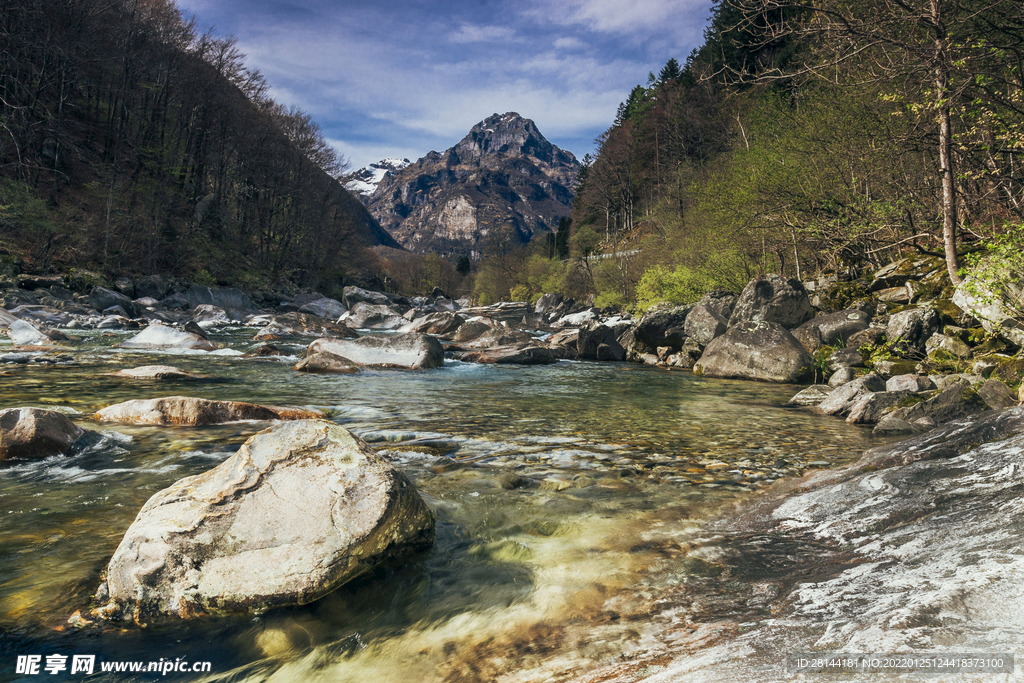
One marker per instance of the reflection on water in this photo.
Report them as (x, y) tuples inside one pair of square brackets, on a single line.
[(563, 496)]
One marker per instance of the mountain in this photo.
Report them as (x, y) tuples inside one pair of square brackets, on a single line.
[(503, 180), (365, 180)]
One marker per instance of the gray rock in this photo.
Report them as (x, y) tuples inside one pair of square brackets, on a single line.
[(158, 336), (772, 298), (236, 303), (842, 399), (704, 324), (999, 312), (996, 395), (526, 353), (207, 316), (759, 351), (35, 433), (373, 317), (154, 286), (913, 383), (440, 324), (850, 357), (840, 377), (956, 401), (292, 325), (24, 333), (478, 327), (191, 411), (102, 298), (299, 510), (909, 330), (660, 327), (871, 408), (324, 362), (158, 372), (547, 303), (395, 351), (331, 309), (354, 295), (719, 301), (599, 342), (942, 347), (832, 329), (811, 396)]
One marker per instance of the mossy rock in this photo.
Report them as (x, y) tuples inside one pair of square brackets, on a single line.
[(1010, 373), (910, 400), (895, 366), (949, 312), (992, 344), (81, 280), (839, 296)]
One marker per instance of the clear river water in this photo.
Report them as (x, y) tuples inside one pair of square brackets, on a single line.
[(563, 496)]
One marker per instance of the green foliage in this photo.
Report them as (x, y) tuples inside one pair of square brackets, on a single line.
[(519, 293), (994, 273)]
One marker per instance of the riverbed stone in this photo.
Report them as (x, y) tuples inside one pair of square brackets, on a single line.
[(24, 333), (775, 299), (236, 303), (158, 372), (526, 353), (299, 324), (440, 323), (195, 412), (756, 350), (373, 317), (956, 401), (849, 357), (842, 399), (32, 433), (102, 298), (324, 362), (840, 377), (411, 351), (299, 510), (325, 307), (159, 336), (812, 395), (872, 407)]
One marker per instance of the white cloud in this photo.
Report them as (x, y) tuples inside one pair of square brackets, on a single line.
[(635, 16), (471, 33)]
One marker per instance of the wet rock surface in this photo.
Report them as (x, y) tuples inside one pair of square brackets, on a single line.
[(914, 549), (35, 433), (187, 410), (299, 510)]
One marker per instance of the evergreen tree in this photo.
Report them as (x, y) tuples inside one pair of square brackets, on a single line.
[(670, 72)]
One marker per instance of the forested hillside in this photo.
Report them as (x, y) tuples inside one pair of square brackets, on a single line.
[(134, 143), (803, 138)]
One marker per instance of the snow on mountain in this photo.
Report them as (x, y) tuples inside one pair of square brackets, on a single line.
[(365, 180)]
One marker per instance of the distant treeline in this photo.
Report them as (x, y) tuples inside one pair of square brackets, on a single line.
[(133, 142), (803, 137)]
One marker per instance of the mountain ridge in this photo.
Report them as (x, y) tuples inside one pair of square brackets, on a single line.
[(502, 181)]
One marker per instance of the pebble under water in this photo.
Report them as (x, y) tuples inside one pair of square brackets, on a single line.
[(563, 495)]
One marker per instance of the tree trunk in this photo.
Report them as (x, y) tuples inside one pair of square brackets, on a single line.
[(949, 207)]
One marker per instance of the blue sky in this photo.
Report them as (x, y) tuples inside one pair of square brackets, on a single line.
[(402, 77)]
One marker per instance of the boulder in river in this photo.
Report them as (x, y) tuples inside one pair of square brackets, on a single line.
[(299, 510), (410, 351), (324, 362), (35, 433), (324, 307), (236, 303), (525, 353), (373, 317), (194, 412), (300, 324), (159, 336), (660, 327), (756, 350), (774, 299), (24, 333), (158, 372)]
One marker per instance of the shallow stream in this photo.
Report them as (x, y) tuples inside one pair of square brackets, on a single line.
[(563, 495)]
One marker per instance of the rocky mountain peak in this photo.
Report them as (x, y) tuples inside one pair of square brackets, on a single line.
[(503, 175), (506, 134)]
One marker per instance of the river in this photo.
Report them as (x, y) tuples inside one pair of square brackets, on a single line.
[(564, 496)]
